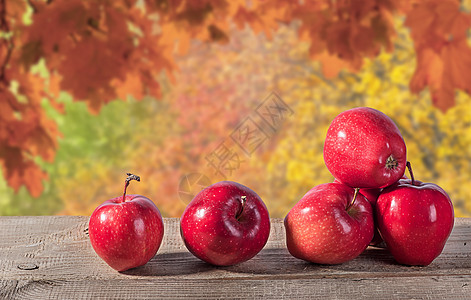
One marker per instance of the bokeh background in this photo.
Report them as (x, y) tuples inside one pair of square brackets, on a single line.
[(214, 66)]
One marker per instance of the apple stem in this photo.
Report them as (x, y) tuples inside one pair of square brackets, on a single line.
[(243, 200), (126, 182), (354, 198), (409, 167)]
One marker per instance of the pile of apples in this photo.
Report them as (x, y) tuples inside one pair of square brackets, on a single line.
[(227, 223), (335, 222)]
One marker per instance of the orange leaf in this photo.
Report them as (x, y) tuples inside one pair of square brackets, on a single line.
[(97, 65), (452, 23), (429, 71), (55, 22), (263, 17), (439, 29), (444, 97), (20, 171), (457, 60), (132, 85), (331, 64), (362, 40), (420, 19), (338, 40)]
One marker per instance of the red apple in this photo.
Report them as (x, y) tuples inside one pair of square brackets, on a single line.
[(364, 149), (126, 231), (331, 224), (225, 224), (415, 220), (371, 194)]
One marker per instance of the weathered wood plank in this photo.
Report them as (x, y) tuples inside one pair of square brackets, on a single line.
[(52, 256), (450, 287)]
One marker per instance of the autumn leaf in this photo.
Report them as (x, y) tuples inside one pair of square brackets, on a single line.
[(25, 133), (443, 56), (331, 64), (265, 22), (347, 31), (55, 25), (19, 171), (457, 61), (429, 71)]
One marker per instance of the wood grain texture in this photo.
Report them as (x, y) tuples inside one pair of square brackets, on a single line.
[(51, 257)]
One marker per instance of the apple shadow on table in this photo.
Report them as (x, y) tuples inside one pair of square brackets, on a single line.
[(171, 264), (280, 263), (272, 261), (275, 262), (268, 261), (382, 258)]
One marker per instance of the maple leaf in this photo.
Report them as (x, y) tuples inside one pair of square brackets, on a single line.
[(331, 64), (452, 22), (443, 56), (263, 16), (348, 30), (56, 23), (457, 61), (81, 77), (19, 171), (25, 133), (429, 71), (131, 85)]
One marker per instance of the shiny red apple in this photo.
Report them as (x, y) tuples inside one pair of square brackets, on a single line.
[(126, 231), (415, 220), (371, 194), (225, 224), (331, 224), (364, 149)]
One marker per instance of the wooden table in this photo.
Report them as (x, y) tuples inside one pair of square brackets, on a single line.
[(51, 258)]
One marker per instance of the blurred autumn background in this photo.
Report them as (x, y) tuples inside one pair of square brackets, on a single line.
[(90, 90)]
